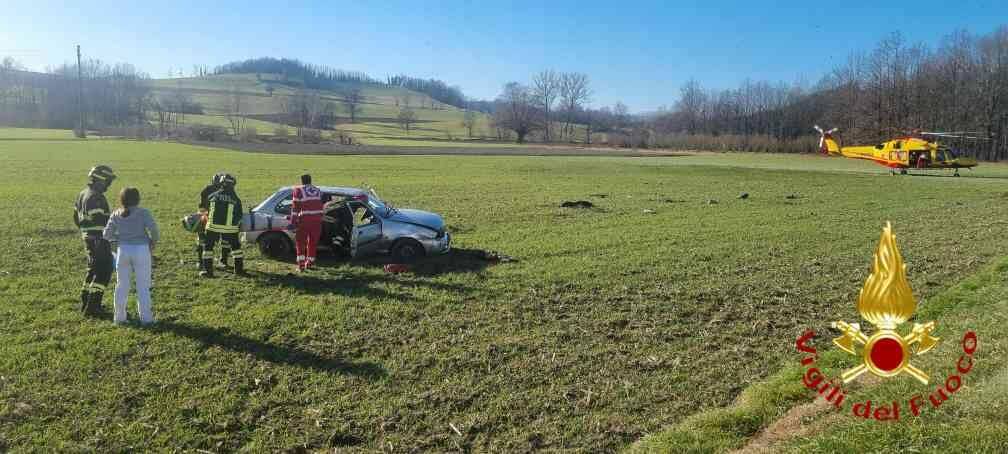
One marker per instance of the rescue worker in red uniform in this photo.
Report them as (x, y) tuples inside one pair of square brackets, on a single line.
[(91, 213), (306, 217)]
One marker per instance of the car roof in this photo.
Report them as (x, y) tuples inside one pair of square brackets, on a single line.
[(345, 191)]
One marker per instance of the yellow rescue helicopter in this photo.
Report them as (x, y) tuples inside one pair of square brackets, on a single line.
[(912, 151)]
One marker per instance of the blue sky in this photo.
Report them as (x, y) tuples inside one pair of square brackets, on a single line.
[(635, 52)]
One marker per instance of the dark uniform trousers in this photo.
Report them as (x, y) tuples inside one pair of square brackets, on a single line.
[(229, 242), (99, 272), (201, 242)]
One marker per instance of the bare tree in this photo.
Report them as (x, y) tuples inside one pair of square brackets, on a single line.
[(691, 102), (304, 109), (546, 88), (469, 122), (574, 93), (516, 110), (353, 99), (236, 110), (406, 118), (621, 113)]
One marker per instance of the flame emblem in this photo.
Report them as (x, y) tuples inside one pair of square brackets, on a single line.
[(886, 301)]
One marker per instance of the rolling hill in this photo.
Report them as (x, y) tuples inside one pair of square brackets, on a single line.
[(264, 97)]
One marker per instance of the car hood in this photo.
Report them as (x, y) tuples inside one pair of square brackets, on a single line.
[(418, 217)]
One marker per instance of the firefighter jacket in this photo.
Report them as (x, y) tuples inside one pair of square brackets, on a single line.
[(225, 212), (91, 212)]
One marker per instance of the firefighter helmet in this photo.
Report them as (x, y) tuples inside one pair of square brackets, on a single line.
[(216, 180), (102, 173), (228, 180)]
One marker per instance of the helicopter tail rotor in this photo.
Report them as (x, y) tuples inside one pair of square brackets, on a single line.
[(827, 142)]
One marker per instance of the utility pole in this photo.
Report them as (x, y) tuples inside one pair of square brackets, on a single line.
[(80, 98)]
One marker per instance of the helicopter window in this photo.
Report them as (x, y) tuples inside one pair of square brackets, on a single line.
[(880, 146), (898, 145)]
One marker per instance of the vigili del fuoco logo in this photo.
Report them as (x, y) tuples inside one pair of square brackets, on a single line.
[(886, 302)]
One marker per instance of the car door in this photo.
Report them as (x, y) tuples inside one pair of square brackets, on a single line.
[(366, 236)]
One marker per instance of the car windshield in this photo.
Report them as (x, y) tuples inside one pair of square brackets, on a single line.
[(378, 205)]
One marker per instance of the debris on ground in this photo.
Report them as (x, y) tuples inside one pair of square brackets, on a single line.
[(600, 196), (649, 211), (396, 268), (673, 200), (577, 204), (791, 196), (712, 201), (744, 195), (495, 257)]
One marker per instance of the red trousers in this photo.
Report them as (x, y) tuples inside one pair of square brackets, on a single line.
[(306, 241)]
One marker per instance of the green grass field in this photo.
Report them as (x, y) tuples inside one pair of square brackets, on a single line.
[(612, 325)]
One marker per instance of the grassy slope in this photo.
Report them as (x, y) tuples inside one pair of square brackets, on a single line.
[(971, 421), (36, 134), (588, 342), (379, 126)]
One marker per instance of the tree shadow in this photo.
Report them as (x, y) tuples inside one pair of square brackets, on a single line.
[(289, 355)]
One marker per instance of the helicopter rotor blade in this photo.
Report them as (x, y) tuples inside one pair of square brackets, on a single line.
[(831, 131), (951, 135), (817, 128)]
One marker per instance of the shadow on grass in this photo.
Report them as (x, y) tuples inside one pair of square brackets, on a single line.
[(294, 356), (455, 261)]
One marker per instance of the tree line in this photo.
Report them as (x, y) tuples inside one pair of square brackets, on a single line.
[(296, 72), (436, 89), (961, 85), (113, 95)]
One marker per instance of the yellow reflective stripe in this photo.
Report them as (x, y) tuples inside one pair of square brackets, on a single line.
[(237, 254), (221, 228), (208, 255), (96, 211), (94, 228)]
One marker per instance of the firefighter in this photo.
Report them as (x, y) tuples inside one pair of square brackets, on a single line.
[(91, 213), (204, 208), (306, 216), (223, 222)]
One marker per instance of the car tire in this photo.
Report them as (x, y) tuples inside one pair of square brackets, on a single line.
[(276, 245), (407, 251)]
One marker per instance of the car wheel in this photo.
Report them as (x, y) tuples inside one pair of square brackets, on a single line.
[(407, 251), (276, 245)]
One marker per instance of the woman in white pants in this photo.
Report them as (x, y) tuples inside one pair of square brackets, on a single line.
[(134, 231)]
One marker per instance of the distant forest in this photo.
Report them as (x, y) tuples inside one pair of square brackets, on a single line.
[(959, 86), (113, 95), (326, 78)]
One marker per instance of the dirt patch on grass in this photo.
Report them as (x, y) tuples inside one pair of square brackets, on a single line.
[(577, 204), (794, 424)]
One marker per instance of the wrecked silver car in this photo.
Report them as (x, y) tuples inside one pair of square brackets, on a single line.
[(377, 227)]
